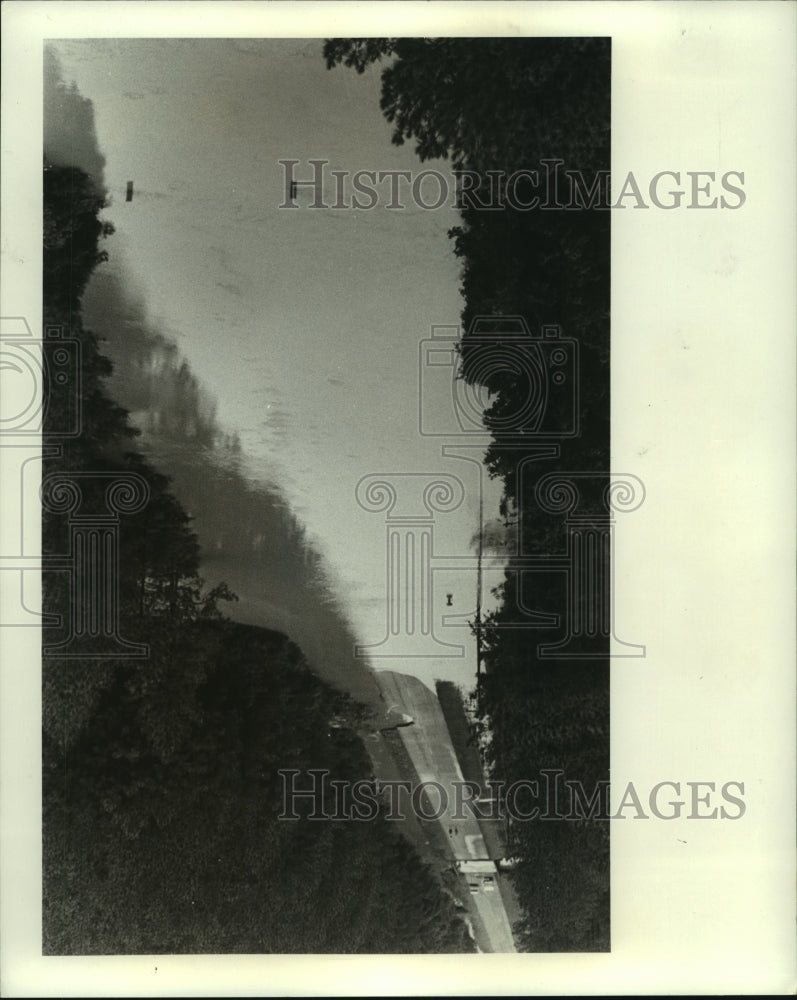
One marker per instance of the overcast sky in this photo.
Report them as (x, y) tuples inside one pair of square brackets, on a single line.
[(305, 325)]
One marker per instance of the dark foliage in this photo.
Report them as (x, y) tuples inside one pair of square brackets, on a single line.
[(162, 836), (506, 105), (161, 792)]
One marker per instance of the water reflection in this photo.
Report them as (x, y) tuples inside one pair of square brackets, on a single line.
[(248, 534)]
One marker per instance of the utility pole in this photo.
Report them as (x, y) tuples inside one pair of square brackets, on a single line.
[(480, 550)]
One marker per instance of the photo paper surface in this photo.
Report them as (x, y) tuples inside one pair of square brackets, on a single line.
[(397, 469)]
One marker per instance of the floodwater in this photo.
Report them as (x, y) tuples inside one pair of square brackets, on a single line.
[(248, 534)]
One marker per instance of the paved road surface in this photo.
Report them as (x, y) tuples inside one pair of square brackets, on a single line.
[(432, 753)]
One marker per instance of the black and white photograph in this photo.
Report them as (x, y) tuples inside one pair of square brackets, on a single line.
[(398, 498)]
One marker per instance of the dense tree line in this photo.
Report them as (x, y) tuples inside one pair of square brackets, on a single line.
[(508, 105), (161, 793)]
